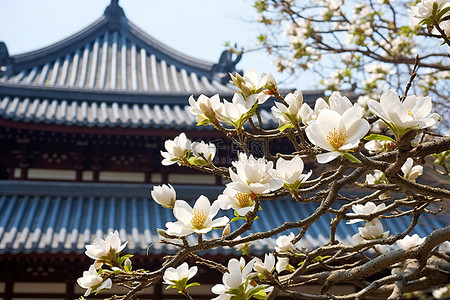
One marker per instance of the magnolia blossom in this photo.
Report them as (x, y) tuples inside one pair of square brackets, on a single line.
[(237, 275), (336, 133), (377, 177), (441, 293), (250, 84), (93, 282), (366, 209), (172, 275), (411, 173), (164, 195), (203, 151), (284, 243), (291, 113), (412, 113), (265, 267), (177, 150), (336, 102), (282, 264), (410, 241), (253, 176), (376, 146), (244, 247), (101, 248), (290, 172), (372, 230), (205, 108), (423, 9), (238, 111), (198, 219), (242, 203)]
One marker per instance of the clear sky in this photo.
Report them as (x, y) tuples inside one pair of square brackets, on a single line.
[(198, 28)]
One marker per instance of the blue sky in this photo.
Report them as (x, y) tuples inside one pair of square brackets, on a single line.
[(196, 27)]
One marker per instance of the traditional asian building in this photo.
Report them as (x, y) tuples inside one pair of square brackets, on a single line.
[(82, 123)]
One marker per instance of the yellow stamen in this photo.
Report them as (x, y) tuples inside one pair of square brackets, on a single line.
[(337, 138), (198, 218), (410, 112), (243, 199)]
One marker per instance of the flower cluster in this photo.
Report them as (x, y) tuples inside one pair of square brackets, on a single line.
[(238, 283), (183, 151), (104, 252), (373, 229)]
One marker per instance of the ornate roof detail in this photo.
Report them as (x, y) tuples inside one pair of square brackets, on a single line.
[(113, 54), (5, 60)]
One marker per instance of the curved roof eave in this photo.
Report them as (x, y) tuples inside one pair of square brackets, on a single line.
[(70, 43)]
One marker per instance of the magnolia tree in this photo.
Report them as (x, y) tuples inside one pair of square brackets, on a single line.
[(378, 148), (364, 45)]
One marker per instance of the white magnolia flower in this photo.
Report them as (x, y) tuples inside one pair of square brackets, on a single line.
[(202, 149), (282, 264), (267, 266), (377, 177), (177, 150), (198, 219), (291, 113), (164, 195), (101, 248), (378, 126), (290, 172), (250, 84), (242, 203), (410, 241), (441, 293), (205, 108), (253, 176), (336, 133), (376, 146), (401, 117), (338, 103), (244, 247), (371, 230), (411, 173), (423, 9), (93, 282), (172, 275), (238, 111), (238, 274), (366, 209), (284, 243)]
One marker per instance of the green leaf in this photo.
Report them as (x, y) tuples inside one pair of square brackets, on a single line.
[(204, 122), (351, 158), (378, 137), (237, 219), (260, 295), (192, 284), (441, 13), (172, 286), (286, 126), (257, 292)]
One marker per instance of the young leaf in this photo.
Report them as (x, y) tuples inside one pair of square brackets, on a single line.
[(378, 137), (351, 158)]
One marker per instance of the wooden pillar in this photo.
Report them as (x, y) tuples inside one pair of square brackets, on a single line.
[(9, 285), (158, 292), (70, 290)]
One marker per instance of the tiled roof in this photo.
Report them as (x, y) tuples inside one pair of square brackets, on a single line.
[(113, 54), (104, 114), (38, 217)]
